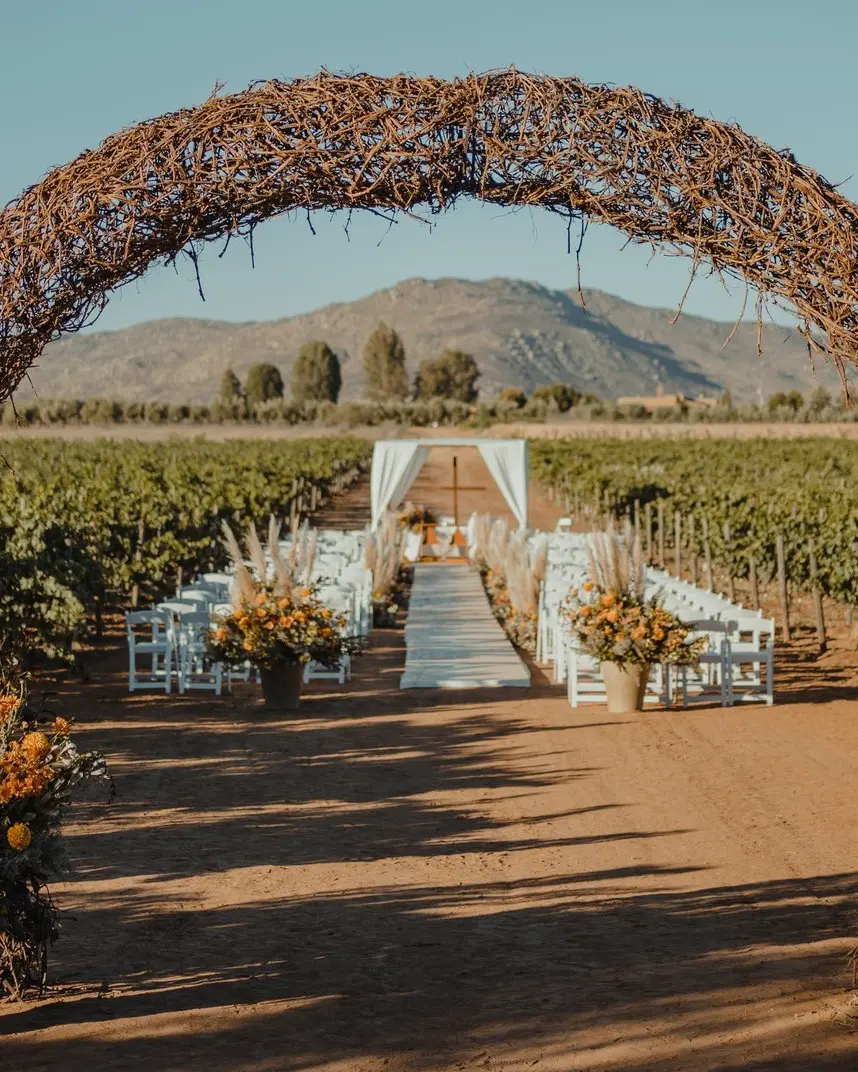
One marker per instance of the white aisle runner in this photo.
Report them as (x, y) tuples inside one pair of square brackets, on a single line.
[(451, 636)]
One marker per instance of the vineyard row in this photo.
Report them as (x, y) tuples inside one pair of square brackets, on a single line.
[(756, 510), (87, 525)]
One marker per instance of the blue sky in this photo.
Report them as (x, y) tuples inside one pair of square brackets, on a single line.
[(74, 71)]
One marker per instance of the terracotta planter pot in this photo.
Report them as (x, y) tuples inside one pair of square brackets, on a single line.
[(281, 686), (625, 687)]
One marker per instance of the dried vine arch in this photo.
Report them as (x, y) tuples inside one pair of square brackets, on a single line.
[(656, 171)]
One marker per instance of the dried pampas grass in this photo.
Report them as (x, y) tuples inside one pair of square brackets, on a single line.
[(257, 565), (383, 554), (615, 563)]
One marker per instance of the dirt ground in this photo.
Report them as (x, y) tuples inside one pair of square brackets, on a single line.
[(416, 881)]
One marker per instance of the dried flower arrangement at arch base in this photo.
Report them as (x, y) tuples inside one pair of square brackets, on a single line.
[(40, 770), (656, 171)]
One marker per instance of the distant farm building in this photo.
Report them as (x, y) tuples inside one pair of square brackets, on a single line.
[(660, 400)]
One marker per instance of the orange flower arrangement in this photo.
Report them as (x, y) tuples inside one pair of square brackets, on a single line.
[(622, 627), (295, 628), (40, 767), (612, 619)]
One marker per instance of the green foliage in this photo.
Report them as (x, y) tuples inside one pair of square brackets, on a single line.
[(384, 365), (512, 397), (264, 383), (557, 396), (801, 489), (453, 375), (819, 400), (792, 401), (316, 375), (230, 386), (70, 517), (40, 770)]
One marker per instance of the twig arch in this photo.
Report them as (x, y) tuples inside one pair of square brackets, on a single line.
[(656, 171)]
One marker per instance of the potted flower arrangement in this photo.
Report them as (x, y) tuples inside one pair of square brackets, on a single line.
[(414, 517), (613, 621), (277, 623)]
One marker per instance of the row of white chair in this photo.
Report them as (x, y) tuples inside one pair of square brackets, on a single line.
[(738, 666)]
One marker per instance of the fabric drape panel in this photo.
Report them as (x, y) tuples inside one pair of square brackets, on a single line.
[(507, 462), (395, 465)]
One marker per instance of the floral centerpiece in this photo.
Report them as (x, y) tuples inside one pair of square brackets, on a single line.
[(614, 622), (40, 768), (413, 517), (277, 623)]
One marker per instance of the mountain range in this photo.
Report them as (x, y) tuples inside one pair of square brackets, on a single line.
[(521, 334)]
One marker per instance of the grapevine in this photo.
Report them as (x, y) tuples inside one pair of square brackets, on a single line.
[(86, 524), (748, 493)]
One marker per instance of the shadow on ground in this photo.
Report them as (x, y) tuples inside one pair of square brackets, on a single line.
[(425, 974)]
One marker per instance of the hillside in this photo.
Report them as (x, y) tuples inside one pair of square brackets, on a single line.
[(521, 334)]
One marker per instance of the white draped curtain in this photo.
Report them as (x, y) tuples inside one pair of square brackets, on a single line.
[(395, 465), (506, 460)]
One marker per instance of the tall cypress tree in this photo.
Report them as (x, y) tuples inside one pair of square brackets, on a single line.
[(384, 365), (316, 375)]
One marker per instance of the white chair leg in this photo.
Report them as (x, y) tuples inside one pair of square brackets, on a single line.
[(572, 679)]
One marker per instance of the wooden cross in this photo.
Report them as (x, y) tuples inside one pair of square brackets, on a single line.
[(456, 487)]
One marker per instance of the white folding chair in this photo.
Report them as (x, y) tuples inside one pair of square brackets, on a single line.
[(710, 679), (584, 681), (750, 672), (203, 596), (188, 617), (198, 671), (342, 600), (161, 647)]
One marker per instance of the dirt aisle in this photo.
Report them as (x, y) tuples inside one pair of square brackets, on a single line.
[(434, 881)]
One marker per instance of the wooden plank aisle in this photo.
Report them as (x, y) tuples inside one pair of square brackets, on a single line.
[(451, 636)]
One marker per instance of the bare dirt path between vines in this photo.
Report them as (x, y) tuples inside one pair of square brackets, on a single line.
[(408, 881)]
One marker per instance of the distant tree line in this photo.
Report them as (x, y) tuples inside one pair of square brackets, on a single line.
[(317, 375), (559, 402), (443, 391)]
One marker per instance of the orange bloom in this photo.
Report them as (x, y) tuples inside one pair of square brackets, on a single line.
[(585, 611), (36, 745), (62, 725), (19, 836), (283, 603), (608, 599), (247, 647), (269, 626), (262, 613), (587, 586), (260, 599), (8, 706), (612, 615)]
